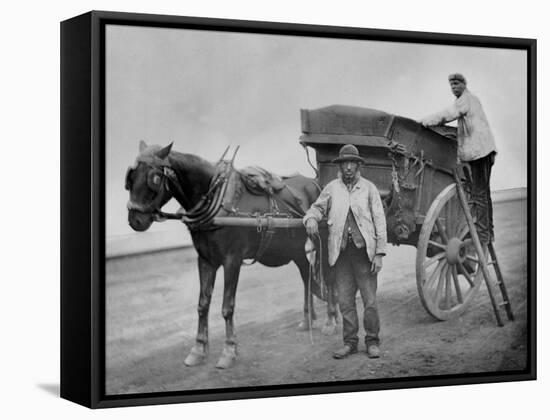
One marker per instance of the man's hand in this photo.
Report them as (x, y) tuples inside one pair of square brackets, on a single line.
[(429, 122), (312, 228), (397, 147), (376, 264)]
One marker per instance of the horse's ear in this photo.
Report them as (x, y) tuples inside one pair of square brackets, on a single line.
[(142, 146), (163, 153)]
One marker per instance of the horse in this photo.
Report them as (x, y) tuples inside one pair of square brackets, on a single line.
[(160, 174)]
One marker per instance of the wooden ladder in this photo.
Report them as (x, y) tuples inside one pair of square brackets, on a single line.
[(485, 262)]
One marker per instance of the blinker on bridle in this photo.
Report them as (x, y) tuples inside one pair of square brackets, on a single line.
[(157, 181)]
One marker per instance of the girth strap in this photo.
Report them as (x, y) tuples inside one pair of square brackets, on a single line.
[(266, 236)]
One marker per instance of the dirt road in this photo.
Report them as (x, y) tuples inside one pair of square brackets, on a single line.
[(152, 319)]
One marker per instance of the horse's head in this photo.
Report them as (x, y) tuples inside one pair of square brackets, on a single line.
[(147, 183)]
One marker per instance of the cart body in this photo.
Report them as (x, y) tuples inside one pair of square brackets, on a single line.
[(413, 168), (408, 181)]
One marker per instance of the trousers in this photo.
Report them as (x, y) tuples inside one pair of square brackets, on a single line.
[(352, 273), (481, 205)]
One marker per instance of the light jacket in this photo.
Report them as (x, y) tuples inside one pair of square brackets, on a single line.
[(334, 203), (475, 139)]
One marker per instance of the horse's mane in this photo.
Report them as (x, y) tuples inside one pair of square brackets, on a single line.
[(187, 162), (194, 172), (182, 160)]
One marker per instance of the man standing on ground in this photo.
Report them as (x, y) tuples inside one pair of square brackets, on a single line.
[(476, 146), (356, 245)]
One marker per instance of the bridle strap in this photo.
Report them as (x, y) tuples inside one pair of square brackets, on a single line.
[(153, 206), (211, 202)]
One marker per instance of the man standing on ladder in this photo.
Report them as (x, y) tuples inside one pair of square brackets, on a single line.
[(476, 146), (356, 245)]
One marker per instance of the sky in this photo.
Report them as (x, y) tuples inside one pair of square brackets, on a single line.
[(205, 90)]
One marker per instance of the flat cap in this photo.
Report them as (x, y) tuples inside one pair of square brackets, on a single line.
[(457, 76)]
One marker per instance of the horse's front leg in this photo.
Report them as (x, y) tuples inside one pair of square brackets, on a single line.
[(207, 275), (232, 268)]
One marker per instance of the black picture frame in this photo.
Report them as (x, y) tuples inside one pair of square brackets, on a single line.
[(83, 207)]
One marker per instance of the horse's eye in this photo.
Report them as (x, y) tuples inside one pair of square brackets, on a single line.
[(154, 180)]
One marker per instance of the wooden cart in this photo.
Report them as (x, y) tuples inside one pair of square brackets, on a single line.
[(416, 172)]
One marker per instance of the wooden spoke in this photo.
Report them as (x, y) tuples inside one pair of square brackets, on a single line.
[(473, 259), (442, 231), (439, 290), (437, 244), (448, 288), (435, 274), (457, 285), (465, 274), (463, 232), (433, 260), (449, 219), (460, 225)]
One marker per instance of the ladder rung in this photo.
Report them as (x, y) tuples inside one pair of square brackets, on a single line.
[(503, 303)]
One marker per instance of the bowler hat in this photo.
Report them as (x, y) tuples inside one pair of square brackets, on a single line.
[(348, 152)]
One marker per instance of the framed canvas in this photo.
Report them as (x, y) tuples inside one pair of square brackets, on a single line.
[(365, 199)]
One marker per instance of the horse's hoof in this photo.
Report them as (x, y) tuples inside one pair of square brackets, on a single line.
[(197, 356), (228, 357), (329, 328), (304, 326)]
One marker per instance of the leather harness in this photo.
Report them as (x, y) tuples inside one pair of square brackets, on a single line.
[(198, 218)]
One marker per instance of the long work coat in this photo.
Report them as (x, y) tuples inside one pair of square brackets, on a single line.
[(334, 203)]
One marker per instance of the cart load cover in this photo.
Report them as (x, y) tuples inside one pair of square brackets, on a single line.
[(341, 124)]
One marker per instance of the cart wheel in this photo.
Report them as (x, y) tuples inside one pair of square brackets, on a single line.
[(448, 273)]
